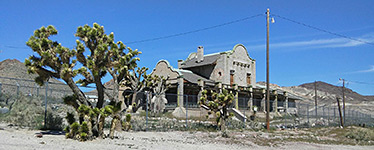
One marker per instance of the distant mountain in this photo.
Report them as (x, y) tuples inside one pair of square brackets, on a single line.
[(327, 94), (336, 90), (13, 72)]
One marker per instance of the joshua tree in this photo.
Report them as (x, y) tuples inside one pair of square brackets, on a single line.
[(136, 81), (159, 87), (218, 104), (103, 55)]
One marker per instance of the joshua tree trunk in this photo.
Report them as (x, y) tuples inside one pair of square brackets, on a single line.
[(89, 125), (133, 101), (113, 126), (81, 98), (100, 93), (101, 126), (223, 122)]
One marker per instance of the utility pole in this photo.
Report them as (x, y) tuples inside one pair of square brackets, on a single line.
[(45, 109), (267, 72), (315, 96), (340, 113), (343, 99)]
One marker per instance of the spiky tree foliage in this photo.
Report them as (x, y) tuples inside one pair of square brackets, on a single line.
[(119, 65), (136, 81), (105, 55), (126, 124), (53, 61), (96, 53), (218, 104), (84, 130)]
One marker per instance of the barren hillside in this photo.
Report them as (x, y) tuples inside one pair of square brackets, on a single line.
[(327, 94), (13, 73)]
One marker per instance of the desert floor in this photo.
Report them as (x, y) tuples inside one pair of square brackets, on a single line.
[(15, 138)]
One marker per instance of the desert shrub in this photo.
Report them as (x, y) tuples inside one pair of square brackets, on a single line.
[(26, 112), (53, 122), (70, 118), (126, 125), (83, 136), (361, 134)]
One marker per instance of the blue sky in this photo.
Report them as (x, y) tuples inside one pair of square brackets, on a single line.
[(298, 54)]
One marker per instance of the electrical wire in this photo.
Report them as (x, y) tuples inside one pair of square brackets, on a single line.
[(194, 31), (174, 35), (360, 82), (323, 30)]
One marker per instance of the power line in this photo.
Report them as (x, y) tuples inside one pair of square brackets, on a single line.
[(360, 82), (194, 31), (174, 35), (15, 47), (323, 30)]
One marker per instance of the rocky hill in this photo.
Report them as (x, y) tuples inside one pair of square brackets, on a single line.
[(327, 94), (13, 73)]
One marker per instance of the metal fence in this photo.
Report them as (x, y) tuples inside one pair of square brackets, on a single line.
[(17, 87), (194, 117), (311, 115)]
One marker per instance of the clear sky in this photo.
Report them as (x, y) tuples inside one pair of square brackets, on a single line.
[(298, 54)]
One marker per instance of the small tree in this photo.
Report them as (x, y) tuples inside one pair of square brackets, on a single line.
[(104, 55), (218, 104), (159, 87), (136, 81)]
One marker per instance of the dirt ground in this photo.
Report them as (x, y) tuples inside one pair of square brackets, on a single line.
[(15, 138)]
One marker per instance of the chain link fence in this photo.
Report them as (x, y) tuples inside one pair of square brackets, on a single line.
[(195, 117)]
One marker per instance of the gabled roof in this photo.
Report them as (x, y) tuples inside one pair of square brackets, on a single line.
[(185, 74), (208, 60), (192, 77)]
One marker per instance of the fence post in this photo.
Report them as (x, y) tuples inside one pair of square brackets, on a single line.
[(328, 115), (285, 120), (45, 108), (37, 90), (146, 111), (0, 88), (245, 107), (348, 114), (186, 111), (334, 113), (17, 89), (307, 112)]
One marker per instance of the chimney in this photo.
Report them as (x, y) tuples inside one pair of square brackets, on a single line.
[(180, 61), (200, 54)]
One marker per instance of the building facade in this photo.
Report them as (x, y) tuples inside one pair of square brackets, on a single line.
[(234, 70)]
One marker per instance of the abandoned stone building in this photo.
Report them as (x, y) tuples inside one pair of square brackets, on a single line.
[(234, 70)]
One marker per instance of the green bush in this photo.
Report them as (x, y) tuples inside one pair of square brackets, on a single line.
[(84, 127), (361, 134), (26, 112), (83, 136), (70, 118), (53, 122)]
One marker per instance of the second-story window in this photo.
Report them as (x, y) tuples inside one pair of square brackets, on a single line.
[(248, 79), (232, 77)]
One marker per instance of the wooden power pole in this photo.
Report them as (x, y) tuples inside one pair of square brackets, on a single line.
[(267, 72), (340, 113), (343, 99)]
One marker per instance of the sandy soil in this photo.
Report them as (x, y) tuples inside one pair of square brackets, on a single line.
[(12, 138)]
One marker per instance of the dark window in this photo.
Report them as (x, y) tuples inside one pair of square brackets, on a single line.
[(248, 78), (231, 77)]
